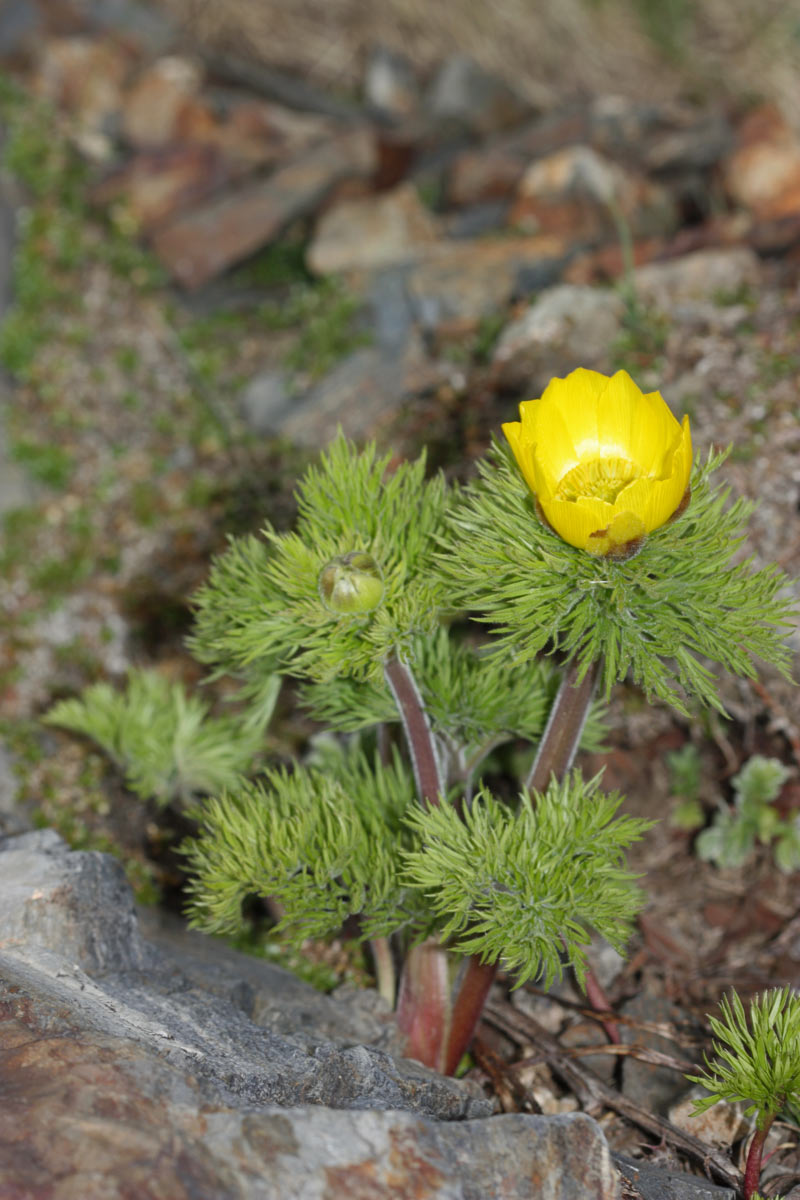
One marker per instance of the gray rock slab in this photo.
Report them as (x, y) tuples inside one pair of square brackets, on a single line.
[(78, 904), (70, 941), (654, 1183), (101, 1118), (566, 327)]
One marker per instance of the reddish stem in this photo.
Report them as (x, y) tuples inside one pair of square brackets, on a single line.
[(599, 1001), (562, 733), (425, 760), (473, 989), (423, 1005), (752, 1170), (557, 749)]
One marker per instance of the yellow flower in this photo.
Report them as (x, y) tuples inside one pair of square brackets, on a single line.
[(606, 463)]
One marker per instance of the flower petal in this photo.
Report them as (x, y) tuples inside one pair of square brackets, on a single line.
[(576, 521), (522, 450)]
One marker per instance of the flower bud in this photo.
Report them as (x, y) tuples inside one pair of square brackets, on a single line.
[(351, 583)]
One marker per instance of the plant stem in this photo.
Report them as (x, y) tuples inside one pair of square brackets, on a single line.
[(384, 968), (557, 749), (424, 756), (473, 989), (423, 1005), (752, 1170), (562, 733)]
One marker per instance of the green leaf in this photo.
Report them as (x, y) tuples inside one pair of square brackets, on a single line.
[(661, 616), (757, 1054), (521, 887), (261, 608), (163, 740)]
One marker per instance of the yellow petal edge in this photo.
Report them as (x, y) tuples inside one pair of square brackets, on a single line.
[(600, 428)]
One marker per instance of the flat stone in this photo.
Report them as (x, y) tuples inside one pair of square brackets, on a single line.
[(70, 945), (576, 192), (77, 904), (95, 1114), (21, 25), (200, 244), (159, 184), (376, 231), (763, 172), (154, 103), (266, 400), (654, 1088), (473, 279), (721, 1125), (390, 83), (463, 93), (476, 176), (359, 395), (85, 77), (566, 327), (696, 276), (654, 1183)]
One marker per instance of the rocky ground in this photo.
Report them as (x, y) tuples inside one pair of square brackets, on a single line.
[(206, 265)]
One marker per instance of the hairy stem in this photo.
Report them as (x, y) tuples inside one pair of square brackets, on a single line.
[(423, 1005), (473, 989), (752, 1170), (557, 749), (562, 733), (424, 756), (385, 975)]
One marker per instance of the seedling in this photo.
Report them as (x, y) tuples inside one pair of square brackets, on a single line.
[(599, 550), (757, 1061)]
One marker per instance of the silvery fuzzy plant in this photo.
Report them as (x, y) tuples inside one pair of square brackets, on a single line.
[(596, 551)]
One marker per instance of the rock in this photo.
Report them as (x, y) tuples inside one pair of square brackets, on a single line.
[(21, 25), (94, 1114), (148, 28), (607, 263), (721, 1125), (697, 147), (470, 280), (376, 231), (654, 1088), (198, 245), (153, 105), (77, 904), (576, 192), (463, 93), (478, 220), (85, 77), (156, 186), (72, 955), (763, 172), (696, 276), (265, 401), (390, 84), (137, 1070), (654, 1183), (476, 176), (359, 394), (566, 327)]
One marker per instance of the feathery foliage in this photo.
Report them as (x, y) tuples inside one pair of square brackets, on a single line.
[(261, 607), (475, 700), (521, 886), (164, 741), (324, 843), (681, 600), (758, 1055)]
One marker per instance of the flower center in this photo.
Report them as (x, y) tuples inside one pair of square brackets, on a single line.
[(599, 478)]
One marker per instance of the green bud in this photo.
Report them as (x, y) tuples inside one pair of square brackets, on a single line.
[(351, 583)]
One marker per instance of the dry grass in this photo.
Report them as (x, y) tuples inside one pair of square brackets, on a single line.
[(550, 50)]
